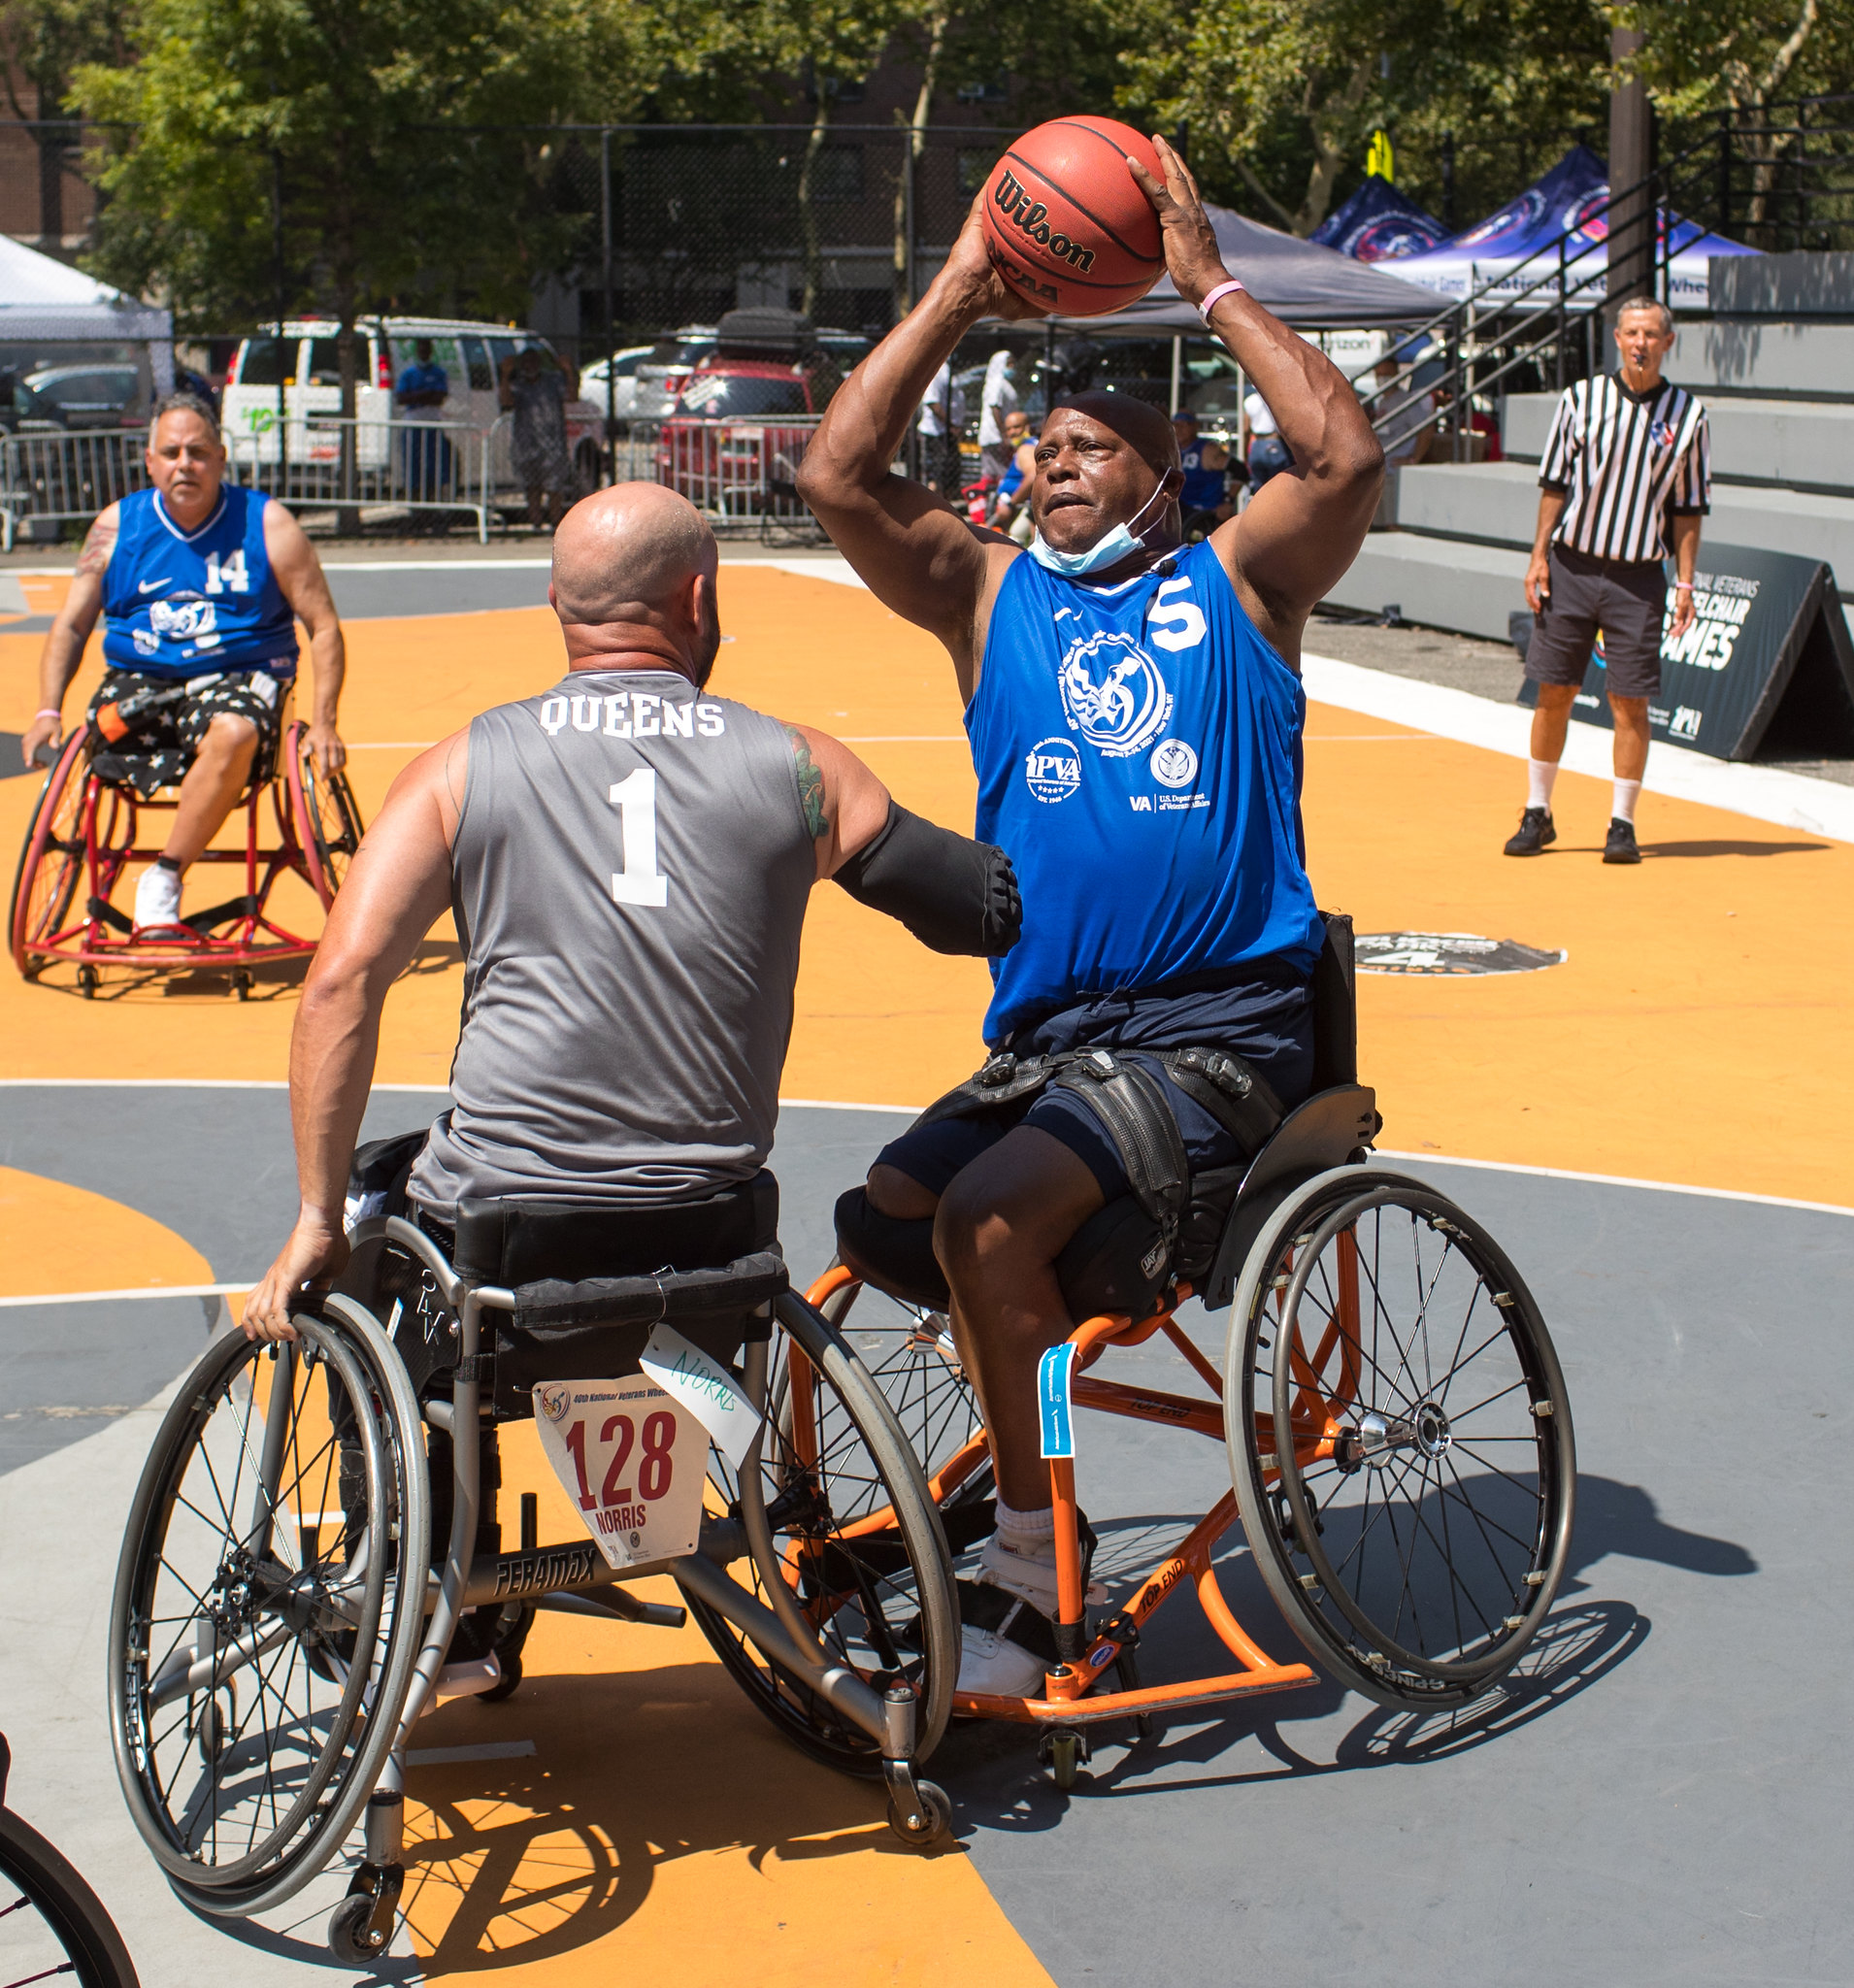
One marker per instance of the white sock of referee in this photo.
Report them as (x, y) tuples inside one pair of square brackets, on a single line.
[(1541, 774), (1623, 807)]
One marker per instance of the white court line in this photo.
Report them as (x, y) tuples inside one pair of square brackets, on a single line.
[(388, 744), (902, 738), (437, 565), (133, 1291)]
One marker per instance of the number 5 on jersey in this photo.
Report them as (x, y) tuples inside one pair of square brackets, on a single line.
[(639, 882)]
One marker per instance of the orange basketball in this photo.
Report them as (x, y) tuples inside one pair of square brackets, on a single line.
[(1067, 223)]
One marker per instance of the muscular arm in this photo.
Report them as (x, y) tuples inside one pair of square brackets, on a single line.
[(305, 586), (917, 557), (396, 888), (1304, 528), (64, 642), (844, 804)]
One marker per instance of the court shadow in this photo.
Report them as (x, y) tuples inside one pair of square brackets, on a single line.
[(1614, 1517), (511, 1862), (434, 956), (1729, 847)]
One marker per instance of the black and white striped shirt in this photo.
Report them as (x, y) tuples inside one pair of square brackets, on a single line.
[(1626, 463)]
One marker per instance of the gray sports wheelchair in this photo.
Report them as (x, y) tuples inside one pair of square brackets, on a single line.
[(314, 1549)]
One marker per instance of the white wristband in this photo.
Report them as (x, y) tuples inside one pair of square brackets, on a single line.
[(1216, 297)]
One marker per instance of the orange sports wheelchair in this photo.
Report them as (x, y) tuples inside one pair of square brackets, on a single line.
[(1395, 1418), (88, 829)]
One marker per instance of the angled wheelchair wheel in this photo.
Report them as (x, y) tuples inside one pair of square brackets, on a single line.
[(269, 1606), (52, 1923), (324, 815), (52, 861), (1399, 1436), (857, 1542), (908, 1352)]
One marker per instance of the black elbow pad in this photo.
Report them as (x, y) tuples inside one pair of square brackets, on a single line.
[(953, 894)]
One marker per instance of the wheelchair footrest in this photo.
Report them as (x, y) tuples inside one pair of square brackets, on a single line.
[(105, 914), (203, 922)]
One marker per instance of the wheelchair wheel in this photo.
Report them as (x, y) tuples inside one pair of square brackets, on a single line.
[(324, 815), (51, 1922), (861, 1548), (1399, 1436), (269, 1606), (909, 1353), (52, 861)]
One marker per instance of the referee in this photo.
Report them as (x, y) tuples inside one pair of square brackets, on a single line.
[(1623, 484)]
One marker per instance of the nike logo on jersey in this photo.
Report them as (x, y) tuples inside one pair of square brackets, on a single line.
[(147, 586)]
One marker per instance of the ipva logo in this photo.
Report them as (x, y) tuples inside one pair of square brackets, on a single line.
[(1053, 770)]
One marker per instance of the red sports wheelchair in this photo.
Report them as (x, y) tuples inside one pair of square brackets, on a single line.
[(87, 831)]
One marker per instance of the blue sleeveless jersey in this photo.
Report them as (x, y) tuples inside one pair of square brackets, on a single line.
[(1138, 749), (189, 604)]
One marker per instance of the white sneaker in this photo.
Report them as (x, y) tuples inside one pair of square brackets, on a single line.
[(991, 1663), (157, 897)]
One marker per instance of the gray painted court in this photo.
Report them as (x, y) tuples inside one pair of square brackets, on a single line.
[(1661, 1798)]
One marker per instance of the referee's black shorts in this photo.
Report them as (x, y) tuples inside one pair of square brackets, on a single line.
[(1624, 600)]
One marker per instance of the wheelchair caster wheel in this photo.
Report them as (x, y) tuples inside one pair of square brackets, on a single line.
[(88, 982), (360, 1927), (936, 1817), (241, 984), (1062, 1749), (504, 1687)]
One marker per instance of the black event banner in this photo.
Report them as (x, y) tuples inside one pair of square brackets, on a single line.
[(1765, 661)]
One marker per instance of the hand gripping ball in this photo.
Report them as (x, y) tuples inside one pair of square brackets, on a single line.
[(1067, 224)]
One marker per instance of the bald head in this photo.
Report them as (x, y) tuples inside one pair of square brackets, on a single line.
[(1141, 427), (633, 547)]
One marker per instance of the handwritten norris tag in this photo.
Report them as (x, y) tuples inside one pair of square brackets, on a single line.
[(704, 1387)]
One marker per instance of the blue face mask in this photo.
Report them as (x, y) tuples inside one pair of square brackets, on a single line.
[(1117, 544)]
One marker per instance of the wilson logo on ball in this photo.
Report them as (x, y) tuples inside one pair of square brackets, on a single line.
[(1033, 217)]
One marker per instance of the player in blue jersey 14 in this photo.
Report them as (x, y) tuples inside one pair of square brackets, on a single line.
[(200, 584), (1135, 710)]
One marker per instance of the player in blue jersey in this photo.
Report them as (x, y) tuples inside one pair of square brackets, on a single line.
[(200, 584), (1135, 710)]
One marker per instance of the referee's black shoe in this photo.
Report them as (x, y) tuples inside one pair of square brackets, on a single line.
[(1534, 832), (1619, 846)]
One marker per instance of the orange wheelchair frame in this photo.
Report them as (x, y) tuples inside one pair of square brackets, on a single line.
[(87, 831)]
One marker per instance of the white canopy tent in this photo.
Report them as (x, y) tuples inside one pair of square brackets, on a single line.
[(51, 313)]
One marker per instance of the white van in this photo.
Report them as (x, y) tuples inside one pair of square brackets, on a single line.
[(307, 364)]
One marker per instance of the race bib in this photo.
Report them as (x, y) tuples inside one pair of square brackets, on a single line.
[(632, 1462)]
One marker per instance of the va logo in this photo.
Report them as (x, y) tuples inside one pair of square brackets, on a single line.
[(1053, 770), (1174, 764), (555, 1400), (1113, 695)]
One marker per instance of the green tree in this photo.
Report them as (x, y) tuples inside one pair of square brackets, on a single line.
[(362, 110)]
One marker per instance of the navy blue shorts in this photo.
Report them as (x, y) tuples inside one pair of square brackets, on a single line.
[(1264, 1013)]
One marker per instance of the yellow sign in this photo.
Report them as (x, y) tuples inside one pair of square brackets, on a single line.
[(1381, 159)]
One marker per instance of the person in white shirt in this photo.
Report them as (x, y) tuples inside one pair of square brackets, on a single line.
[(942, 414), (999, 399)]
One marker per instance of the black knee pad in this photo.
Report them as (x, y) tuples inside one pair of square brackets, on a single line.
[(896, 1256), (1114, 1262)]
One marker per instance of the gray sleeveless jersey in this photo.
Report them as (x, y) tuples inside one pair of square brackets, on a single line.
[(631, 870)]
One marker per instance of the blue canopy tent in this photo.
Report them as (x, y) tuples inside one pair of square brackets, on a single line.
[(1570, 196), (1379, 222)]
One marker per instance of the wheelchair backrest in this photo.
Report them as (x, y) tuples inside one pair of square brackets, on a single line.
[(1336, 1006)]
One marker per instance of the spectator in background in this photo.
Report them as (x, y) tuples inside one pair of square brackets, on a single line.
[(1205, 500), (1263, 449), (534, 390), (1405, 434), (996, 401), (942, 413), (1010, 514), (421, 392)]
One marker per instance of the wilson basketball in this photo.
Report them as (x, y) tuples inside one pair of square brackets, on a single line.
[(1067, 223)]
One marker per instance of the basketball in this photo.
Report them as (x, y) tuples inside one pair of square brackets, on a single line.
[(1067, 223)]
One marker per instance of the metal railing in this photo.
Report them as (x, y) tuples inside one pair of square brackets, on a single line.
[(740, 474), (354, 465), (65, 478)]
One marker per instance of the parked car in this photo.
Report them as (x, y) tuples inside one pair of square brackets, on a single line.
[(307, 366), (737, 427), (81, 397), (624, 382)]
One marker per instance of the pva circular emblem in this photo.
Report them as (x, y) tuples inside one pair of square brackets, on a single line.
[(555, 1400), (1174, 763), (1451, 953), (1052, 769), (1113, 694)]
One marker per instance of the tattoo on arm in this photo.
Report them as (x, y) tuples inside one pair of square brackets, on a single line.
[(810, 785), (98, 544)]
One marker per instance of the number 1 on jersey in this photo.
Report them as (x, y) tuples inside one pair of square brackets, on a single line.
[(637, 882)]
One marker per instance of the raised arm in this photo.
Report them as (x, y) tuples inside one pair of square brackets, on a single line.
[(64, 640), (397, 886), (305, 586), (917, 556), (1304, 528)]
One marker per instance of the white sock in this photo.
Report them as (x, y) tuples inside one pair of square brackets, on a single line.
[(1029, 1527), (1623, 807), (1541, 774)]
